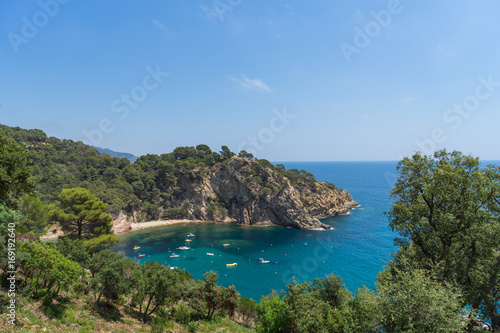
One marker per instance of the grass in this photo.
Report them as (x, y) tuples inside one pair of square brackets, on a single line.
[(70, 314)]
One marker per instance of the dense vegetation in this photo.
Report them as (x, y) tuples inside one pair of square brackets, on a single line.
[(446, 208), (151, 188)]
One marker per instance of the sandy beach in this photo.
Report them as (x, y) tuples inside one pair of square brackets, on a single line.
[(152, 224)]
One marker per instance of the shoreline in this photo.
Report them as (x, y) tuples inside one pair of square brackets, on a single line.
[(123, 226), (152, 224)]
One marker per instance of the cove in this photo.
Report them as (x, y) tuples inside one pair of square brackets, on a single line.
[(357, 248)]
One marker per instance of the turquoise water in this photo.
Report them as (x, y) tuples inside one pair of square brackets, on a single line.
[(357, 248)]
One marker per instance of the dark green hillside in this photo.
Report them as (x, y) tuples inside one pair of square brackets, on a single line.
[(190, 182)]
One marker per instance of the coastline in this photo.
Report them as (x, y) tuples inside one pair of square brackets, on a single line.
[(152, 224), (122, 225)]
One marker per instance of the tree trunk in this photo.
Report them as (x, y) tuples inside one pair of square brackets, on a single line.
[(99, 298), (154, 309), (147, 307)]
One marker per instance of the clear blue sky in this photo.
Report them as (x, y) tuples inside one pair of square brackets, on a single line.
[(290, 80)]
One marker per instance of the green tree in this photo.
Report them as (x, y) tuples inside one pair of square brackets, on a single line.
[(15, 176), (247, 308), (80, 213), (319, 307), (112, 275), (48, 268), (156, 286), (413, 301), (331, 290), (244, 154), (273, 316), (100, 243), (8, 216), (73, 249), (226, 153), (446, 209), (209, 297), (35, 215), (204, 149)]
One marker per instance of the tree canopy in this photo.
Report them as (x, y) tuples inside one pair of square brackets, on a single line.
[(15, 176), (446, 208), (80, 213)]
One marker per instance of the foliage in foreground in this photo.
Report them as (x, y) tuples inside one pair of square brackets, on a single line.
[(447, 210)]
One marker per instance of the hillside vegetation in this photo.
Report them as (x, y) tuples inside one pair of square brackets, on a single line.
[(188, 183), (445, 276)]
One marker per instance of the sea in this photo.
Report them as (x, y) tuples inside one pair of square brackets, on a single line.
[(357, 248)]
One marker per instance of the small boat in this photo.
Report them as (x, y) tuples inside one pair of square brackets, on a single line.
[(174, 255), (209, 254), (190, 235), (231, 265), (262, 261), (188, 240), (137, 247), (141, 255), (183, 248), (225, 244)]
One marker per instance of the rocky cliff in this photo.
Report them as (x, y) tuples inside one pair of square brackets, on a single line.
[(248, 192), (193, 183)]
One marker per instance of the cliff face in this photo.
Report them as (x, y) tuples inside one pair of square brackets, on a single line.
[(193, 183), (244, 191)]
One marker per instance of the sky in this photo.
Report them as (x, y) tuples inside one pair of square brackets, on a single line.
[(285, 80)]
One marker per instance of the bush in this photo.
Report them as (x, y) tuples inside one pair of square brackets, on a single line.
[(181, 314), (192, 327)]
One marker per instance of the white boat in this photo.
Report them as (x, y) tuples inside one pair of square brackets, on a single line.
[(183, 248), (209, 254), (262, 261), (190, 235)]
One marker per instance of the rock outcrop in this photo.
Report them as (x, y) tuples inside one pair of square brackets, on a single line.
[(248, 192)]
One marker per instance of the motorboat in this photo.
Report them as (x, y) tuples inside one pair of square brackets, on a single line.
[(226, 244), (174, 255), (190, 235), (231, 265), (209, 254), (183, 248), (137, 247), (141, 255), (262, 261)]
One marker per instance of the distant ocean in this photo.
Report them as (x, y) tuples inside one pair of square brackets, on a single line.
[(357, 248)]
